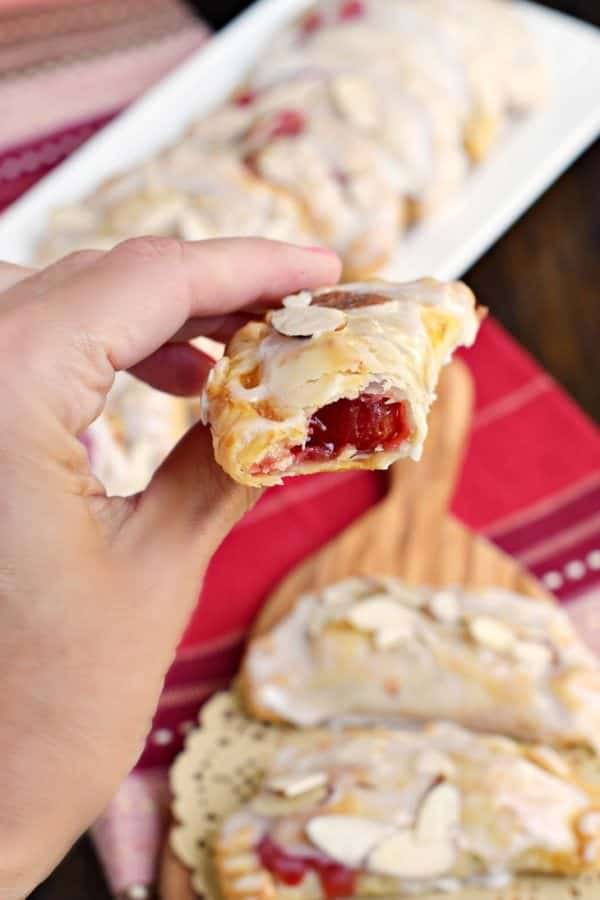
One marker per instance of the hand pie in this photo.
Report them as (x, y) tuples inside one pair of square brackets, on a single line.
[(409, 97), (379, 650), (298, 139), (137, 429), (435, 43), (361, 118), (189, 192), (389, 813), (339, 379)]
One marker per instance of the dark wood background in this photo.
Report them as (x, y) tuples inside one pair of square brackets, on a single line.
[(541, 280)]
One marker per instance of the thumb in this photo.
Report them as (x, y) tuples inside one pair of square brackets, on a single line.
[(191, 504)]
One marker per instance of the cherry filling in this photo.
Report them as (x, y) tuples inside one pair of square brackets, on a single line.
[(287, 123), (312, 22), (367, 423), (351, 9), (245, 98), (336, 880)]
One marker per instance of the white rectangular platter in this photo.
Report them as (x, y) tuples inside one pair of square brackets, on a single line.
[(530, 157)]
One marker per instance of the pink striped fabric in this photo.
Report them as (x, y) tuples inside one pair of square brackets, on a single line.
[(66, 68)]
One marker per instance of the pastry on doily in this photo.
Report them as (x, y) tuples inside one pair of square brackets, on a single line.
[(189, 192), (342, 378), (137, 429), (389, 813), (376, 648)]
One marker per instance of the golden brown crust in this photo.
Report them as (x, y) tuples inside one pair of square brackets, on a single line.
[(240, 873), (260, 398)]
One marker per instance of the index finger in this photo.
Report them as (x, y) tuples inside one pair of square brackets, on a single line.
[(119, 309), (137, 296)]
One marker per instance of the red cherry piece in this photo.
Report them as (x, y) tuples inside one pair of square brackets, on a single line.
[(336, 880), (287, 868), (245, 98), (366, 423), (287, 123), (312, 22), (351, 9)]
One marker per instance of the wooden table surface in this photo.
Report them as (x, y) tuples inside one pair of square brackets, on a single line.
[(541, 280)]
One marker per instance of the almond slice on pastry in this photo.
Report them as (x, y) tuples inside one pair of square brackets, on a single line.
[(343, 381), (403, 813), (377, 649)]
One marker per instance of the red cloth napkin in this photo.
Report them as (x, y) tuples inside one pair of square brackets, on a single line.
[(531, 478)]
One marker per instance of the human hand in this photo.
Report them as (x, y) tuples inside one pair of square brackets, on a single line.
[(95, 591)]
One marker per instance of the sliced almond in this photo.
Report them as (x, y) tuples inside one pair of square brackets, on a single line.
[(343, 591), (537, 657), (347, 839), (445, 607), (548, 759), (271, 803), (401, 855), (306, 321), (356, 100), (439, 813), (300, 300), (395, 588), (492, 633), (388, 638), (380, 613), (294, 785)]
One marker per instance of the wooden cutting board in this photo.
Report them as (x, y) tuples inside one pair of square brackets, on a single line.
[(410, 533)]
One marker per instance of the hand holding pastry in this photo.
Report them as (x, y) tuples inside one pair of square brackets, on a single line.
[(96, 591), (342, 378)]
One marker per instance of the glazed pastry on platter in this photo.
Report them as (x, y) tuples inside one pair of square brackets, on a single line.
[(407, 96), (377, 649), (299, 139), (394, 813), (419, 43), (342, 378), (363, 117), (188, 192), (137, 429)]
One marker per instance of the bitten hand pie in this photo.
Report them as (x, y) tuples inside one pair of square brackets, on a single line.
[(342, 378), (379, 650), (389, 813)]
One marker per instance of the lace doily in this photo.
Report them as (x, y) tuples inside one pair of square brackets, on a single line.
[(223, 762), (219, 769)]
